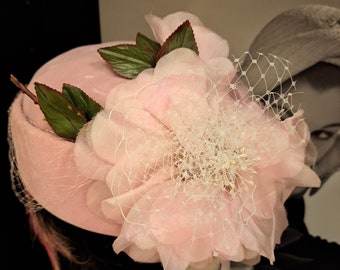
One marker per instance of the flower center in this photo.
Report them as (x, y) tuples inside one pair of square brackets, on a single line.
[(212, 158)]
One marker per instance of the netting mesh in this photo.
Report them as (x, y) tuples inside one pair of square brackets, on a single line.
[(269, 79), (17, 186)]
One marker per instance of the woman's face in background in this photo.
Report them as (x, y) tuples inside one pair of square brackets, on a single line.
[(319, 96)]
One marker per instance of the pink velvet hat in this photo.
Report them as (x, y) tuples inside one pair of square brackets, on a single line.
[(183, 163)]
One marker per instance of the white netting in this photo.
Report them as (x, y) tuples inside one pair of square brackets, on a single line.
[(17, 186), (270, 80)]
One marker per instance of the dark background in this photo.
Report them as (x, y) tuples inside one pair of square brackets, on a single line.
[(33, 32)]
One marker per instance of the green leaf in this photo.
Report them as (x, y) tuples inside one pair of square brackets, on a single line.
[(147, 45), (65, 119), (81, 100), (182, 37), (129, 60)]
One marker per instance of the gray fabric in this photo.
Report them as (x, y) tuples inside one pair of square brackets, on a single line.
[(303, 36)]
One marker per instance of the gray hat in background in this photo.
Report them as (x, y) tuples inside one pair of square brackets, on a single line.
[(303, 36)]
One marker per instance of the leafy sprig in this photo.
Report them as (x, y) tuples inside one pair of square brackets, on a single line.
[(128, 60), (66, 111)]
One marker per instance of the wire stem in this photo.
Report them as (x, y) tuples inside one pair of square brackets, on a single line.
[(23, 88)]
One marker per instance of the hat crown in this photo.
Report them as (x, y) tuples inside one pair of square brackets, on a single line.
[(292, 22)]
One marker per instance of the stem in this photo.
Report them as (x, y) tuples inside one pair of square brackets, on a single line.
[(23, 88)]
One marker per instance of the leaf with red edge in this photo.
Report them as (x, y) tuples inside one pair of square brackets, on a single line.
[(65, 119), (128, 60), (182, 37)]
